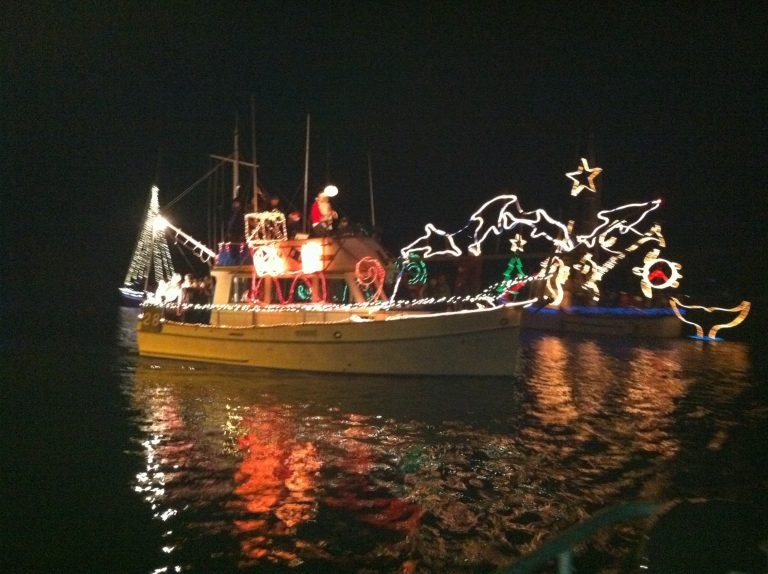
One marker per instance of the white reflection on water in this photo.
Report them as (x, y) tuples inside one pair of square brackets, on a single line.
[(259, 469)]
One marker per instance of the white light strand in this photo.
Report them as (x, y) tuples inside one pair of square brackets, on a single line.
[(151, 248)]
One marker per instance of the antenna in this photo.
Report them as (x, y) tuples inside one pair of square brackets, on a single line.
[(254, 166), (306, 180), (370, 191), (236, 163)]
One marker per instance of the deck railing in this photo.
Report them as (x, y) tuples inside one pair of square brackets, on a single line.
[(561, 546)]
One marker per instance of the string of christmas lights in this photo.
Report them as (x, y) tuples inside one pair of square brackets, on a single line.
[(616, 233), (151, 253)]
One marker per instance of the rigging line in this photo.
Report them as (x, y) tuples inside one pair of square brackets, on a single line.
[(184, 255), (193, 186)]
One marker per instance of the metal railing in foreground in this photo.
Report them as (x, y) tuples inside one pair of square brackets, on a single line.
[(561, 547)]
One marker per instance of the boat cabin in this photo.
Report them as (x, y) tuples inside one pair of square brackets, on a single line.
[(288, 271)]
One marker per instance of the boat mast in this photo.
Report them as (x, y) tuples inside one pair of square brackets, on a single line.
[(306, 180), (370, 192), (236, 161), (253, 156)]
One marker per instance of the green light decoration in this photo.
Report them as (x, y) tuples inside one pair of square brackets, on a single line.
[(151, 256), (303, 292), (514, 276), (416, 269)]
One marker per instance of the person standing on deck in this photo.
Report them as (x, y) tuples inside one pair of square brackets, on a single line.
[(322, 216), (236, 223)]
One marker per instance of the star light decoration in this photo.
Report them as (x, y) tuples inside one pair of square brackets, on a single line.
[(517, 243), (582, 174)]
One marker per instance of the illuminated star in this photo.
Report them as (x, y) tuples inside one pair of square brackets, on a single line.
[(517, 243), (578, 177)]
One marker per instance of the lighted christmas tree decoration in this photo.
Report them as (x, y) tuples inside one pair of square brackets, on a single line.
[(151, 256), (514, 277), (729, 317), (584, 178)]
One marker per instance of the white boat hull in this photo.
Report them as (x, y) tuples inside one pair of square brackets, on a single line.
[(476, 343)]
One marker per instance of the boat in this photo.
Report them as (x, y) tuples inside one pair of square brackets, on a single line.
[(151, 261), (623, 321), (259, 320), (319, 304)]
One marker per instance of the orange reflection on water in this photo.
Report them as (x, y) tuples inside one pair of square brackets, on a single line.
[(550, 379), (654, 384), (276, 482)]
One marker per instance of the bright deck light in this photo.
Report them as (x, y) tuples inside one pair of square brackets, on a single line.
[(160, 223), (311, 257)]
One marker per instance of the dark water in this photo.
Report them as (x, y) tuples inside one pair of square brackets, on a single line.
[(121, 464)]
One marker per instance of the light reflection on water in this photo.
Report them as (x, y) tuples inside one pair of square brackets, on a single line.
[(318, 473)]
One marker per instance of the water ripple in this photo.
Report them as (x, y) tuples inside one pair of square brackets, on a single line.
[(365, 474)]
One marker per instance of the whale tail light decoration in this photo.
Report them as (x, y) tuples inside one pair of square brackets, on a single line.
[(728, 317)]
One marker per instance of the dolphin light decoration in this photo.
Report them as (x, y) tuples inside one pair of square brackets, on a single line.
[(427, 243), (503, 213)]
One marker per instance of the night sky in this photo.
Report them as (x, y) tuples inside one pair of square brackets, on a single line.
[(455, 102)]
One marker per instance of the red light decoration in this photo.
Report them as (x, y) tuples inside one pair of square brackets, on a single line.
[(370, 273)]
